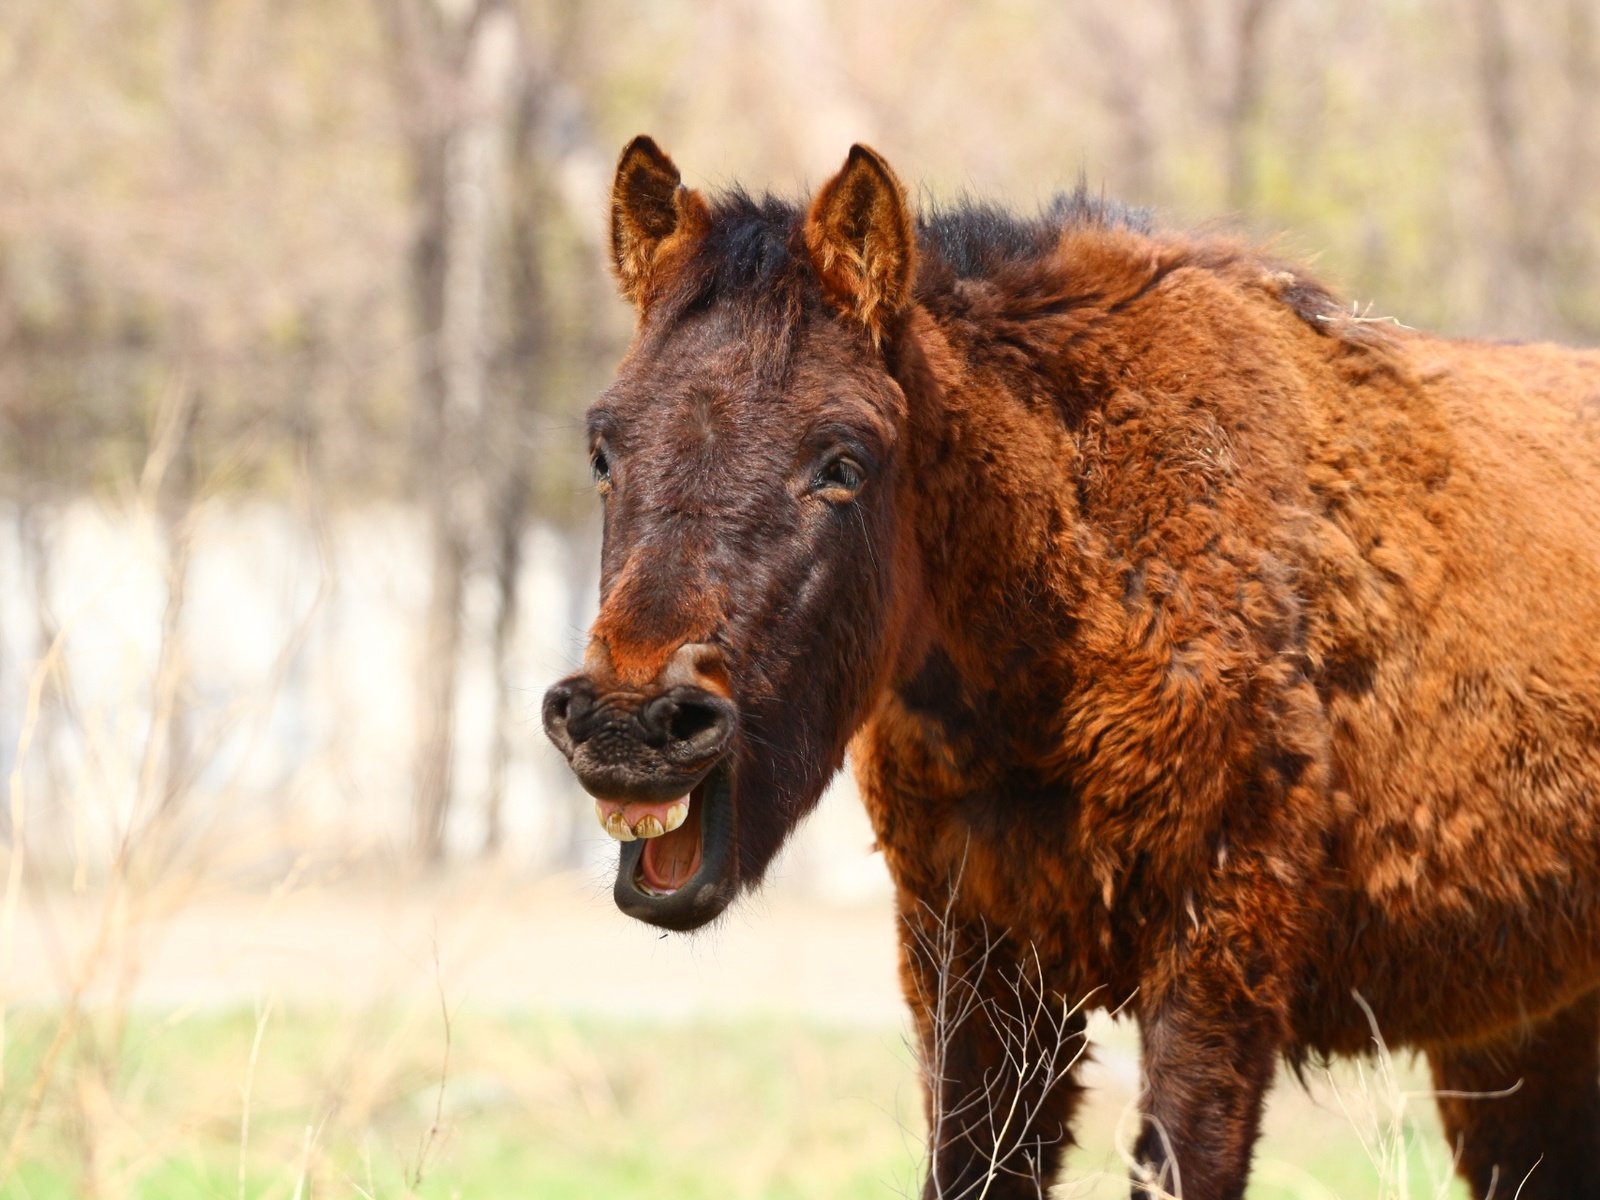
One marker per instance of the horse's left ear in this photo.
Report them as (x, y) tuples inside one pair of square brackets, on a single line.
[(862, 242), (650, 211)]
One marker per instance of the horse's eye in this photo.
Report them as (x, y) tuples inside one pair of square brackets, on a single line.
[(601, 466), (840, 478)]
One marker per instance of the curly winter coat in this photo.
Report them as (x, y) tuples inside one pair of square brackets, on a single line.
[(1204, 649)]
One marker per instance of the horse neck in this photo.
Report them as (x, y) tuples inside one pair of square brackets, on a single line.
[(1004, 573)]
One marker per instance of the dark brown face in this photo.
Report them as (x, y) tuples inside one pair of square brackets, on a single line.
[(749, 531), (746, 456)]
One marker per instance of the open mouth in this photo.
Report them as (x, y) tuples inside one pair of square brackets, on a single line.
[(676, 866)]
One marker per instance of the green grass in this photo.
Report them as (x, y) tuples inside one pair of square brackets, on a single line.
[(559, 1109)]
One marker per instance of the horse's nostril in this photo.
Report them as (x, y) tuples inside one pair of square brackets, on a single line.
[(556, 702), (691, 720), (699, 726), (564, 707), (554, 711), (686, 723)]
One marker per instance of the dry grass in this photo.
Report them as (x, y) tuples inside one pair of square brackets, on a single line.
[(286, 1102)]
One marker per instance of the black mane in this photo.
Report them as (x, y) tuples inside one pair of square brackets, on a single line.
[(753, 245), (974, 239), (753, 254)]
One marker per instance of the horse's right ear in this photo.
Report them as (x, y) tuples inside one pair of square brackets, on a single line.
[(862, 241), (651, 212)]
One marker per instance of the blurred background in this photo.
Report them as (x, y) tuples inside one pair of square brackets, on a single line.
[(300, 306)]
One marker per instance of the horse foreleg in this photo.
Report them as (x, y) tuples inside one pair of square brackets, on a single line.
[(999, 1051), (1523, 1110), (1209, 1048)]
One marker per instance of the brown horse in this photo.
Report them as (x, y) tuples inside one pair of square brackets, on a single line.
[(1201, 648)]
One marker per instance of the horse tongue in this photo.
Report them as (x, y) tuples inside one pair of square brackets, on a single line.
[(670, 861)]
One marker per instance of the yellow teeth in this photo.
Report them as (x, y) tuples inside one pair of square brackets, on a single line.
[(647, 826), (617, 827)]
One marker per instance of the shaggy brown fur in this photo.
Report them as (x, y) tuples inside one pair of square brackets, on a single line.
[(1203, 649)]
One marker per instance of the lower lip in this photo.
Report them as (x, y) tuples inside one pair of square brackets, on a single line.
[(708, 885)]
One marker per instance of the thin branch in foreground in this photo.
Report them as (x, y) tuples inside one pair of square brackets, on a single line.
[(1040, 1042), (436, 1129), (262, 1016)]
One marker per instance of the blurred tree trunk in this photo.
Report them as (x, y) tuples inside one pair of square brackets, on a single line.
[(804, 69), (35, 556), (1540, 231), (509, 516), (35, 505), (1578, 174), (449, 72), (170, 486), (1521, 250), (1241, 101), (170, 479), (526, 321), (1123, 75), (554, 160), (1227, 82)]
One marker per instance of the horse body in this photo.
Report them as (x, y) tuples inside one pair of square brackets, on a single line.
[(1471, 756), (1208, 652)]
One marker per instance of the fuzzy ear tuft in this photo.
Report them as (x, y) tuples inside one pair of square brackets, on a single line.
[(862, 241), (649, 207)]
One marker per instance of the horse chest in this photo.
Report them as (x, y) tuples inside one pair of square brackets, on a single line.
[(996, 842)]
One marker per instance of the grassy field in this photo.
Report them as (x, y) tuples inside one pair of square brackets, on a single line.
[(396, 1102)]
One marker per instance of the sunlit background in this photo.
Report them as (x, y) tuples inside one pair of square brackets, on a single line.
[(300, 305)]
